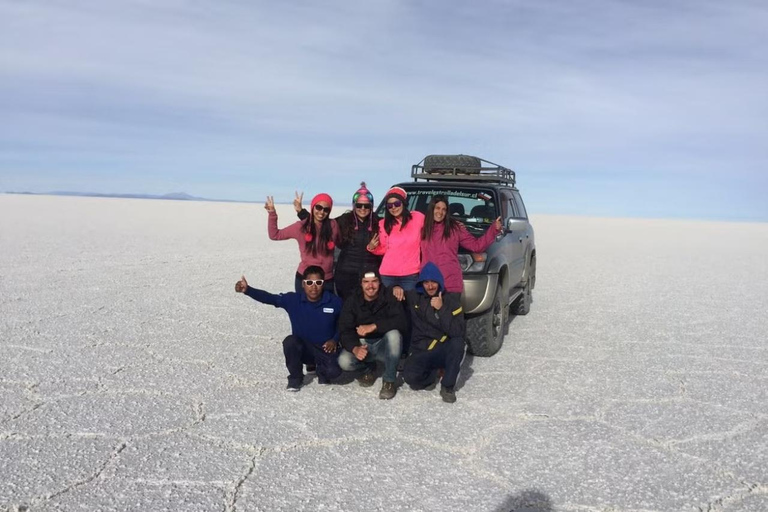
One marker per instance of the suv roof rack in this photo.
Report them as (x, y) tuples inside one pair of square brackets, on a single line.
[(461, 168)]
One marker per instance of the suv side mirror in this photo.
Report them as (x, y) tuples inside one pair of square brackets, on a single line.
[(516, 224)]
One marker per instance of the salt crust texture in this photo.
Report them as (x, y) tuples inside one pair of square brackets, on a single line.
[(132, 377)]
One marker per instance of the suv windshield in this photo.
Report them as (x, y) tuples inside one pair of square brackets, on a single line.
[(475, 208)]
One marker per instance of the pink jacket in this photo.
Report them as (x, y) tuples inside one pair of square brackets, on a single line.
[(322, 260), (401, 248), (443, 252)]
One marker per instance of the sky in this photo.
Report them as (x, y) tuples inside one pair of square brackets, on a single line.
[(603, 108)]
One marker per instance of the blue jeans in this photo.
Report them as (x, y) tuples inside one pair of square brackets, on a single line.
[(405, 282), (385, 349)]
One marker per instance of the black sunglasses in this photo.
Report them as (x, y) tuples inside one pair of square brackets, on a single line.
[(310, 282), (394, 204), (320, 207), (364, 206)]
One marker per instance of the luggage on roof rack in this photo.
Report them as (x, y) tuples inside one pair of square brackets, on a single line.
[(461, 168)]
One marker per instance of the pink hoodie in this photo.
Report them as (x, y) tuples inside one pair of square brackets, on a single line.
[(322, 259), (443, 252), (401, 248)]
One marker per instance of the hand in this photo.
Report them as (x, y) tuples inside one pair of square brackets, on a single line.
[(497, 225), (270, 204), (329, 347), (360, 352), (437, 301), (297, 201), (241, 285), (364, 330), (399, 293), (374, 242)]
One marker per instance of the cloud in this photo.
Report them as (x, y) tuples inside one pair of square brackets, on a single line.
[(159, 89)]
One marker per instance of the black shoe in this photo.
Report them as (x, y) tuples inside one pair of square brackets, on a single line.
[(293, 387), (448, 394), (367, 379), (388, 391), (311, 368)]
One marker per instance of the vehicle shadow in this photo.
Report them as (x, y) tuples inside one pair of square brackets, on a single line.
[(530, 500)]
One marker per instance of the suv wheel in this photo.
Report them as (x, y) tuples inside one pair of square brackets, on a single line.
[(485, 333)]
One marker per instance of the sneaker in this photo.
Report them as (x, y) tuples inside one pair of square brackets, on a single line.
[(367, 379), (448, 394), (293, 387), (388, 391)]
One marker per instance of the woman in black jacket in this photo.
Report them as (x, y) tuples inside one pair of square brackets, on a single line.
[(356, 227)]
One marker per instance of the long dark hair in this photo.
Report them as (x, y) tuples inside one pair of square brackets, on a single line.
[(390, 220), (318, 242), (348, 229), (449, 224)]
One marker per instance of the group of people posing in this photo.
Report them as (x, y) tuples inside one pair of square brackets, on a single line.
[(394, 291)]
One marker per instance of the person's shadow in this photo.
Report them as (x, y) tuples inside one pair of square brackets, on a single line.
[(529, 500)]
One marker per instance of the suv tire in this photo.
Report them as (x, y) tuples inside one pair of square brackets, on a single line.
[(485, 332)]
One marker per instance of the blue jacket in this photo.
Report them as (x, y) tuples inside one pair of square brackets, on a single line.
[(313, 322)]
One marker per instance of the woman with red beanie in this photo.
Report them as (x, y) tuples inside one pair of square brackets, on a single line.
[(317, 237), (356, 228), (398, 242)]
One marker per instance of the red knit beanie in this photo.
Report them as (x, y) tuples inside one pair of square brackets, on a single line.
[(396, 191), (322, 197)]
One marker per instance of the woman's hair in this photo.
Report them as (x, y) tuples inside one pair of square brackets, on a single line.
[(449, 224), (348, 229), (390, 220), (322, 241)]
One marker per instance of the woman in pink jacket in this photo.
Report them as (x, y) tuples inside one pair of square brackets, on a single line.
[(317, 237), (441, 237), (398, 241)]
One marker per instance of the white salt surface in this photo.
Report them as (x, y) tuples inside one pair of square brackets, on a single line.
[(133, 377)]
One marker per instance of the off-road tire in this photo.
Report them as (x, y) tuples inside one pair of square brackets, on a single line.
[(448, 162), (485, 332)]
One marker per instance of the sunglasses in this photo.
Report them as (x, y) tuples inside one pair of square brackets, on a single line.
[(363, 206), (310, 282), (394, 204), (319, 207)]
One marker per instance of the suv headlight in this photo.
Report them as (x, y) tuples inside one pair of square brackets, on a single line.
[(474, 262)]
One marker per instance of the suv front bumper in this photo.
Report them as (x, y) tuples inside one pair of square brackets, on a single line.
[(479, 291)]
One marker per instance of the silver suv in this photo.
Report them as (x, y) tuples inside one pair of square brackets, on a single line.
[(499, 281)]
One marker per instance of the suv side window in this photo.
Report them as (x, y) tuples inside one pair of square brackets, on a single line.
[(521, 213), (509, 205)]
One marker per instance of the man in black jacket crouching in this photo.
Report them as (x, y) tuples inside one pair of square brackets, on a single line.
[(370, 326)]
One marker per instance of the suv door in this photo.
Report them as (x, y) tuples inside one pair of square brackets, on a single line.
[(517, 249)]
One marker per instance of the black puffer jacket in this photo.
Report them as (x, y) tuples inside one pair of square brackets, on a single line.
[(353, 255)]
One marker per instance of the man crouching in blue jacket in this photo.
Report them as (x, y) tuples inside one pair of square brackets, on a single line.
[(437, 333), (314, 316)]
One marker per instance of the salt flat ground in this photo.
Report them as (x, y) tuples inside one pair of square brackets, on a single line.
[(132, 377)]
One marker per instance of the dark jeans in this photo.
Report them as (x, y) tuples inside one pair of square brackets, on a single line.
[(299, 352), (421, 367), (406, 283), (346, 283), (327, 284)]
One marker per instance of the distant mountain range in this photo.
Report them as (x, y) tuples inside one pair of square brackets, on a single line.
[(174, 196)]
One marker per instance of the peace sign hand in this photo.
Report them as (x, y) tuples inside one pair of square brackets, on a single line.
[(297, 201), (269, 205)]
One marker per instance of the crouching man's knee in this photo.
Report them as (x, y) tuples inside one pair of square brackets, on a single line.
[(394, 341), (347, 361)]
